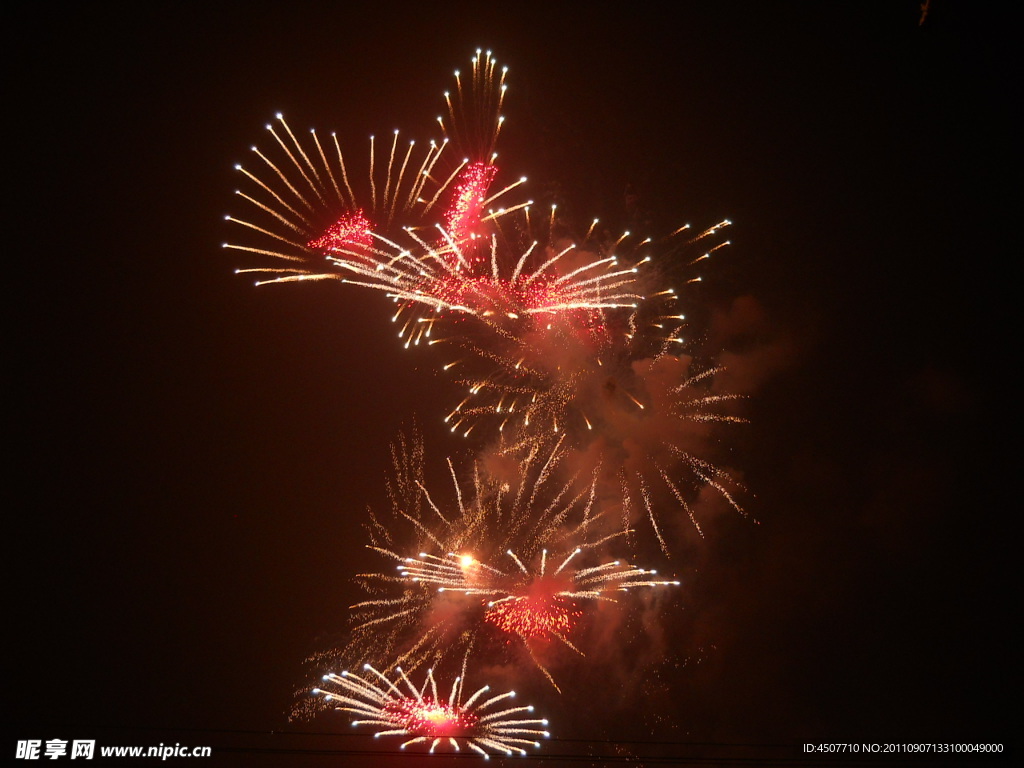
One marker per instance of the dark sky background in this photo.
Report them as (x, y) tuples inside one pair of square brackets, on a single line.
[(192, 458)]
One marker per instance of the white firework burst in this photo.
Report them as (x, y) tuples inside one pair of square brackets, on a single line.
[(427, 717)]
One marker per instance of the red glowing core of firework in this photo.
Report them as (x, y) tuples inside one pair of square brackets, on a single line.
[(532, 617), (467, 201), (430, 718), (350, 232)]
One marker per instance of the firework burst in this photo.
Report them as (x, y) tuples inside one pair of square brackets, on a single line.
[(479, 723), (302, 205), (609, 379), (488, 286), (576, 373), (551, 359), (411, 623), (482, 572), (531, 603), (304, 211)]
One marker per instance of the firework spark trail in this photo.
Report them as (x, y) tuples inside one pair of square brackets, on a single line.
[(477, 722), (474, 112), (463, 573), (668, 446)]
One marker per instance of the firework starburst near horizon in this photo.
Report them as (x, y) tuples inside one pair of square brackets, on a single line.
[(479, 722)]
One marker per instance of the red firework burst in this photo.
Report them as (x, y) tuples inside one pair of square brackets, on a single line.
[(463, 214), (348, 233), (431, 718), (533, 617)]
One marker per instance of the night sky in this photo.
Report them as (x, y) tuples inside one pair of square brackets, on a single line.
[(192, 458)]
